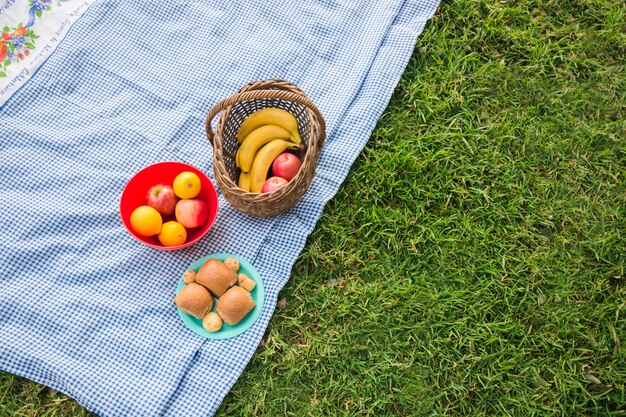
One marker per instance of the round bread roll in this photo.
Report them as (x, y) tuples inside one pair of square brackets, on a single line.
[(212, 322), (232, 263), (234, 305), (241, 278), (216, 277), (246, 282), (189, 276), (194, 300)]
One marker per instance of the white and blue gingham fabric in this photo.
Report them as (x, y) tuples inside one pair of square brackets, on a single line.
[(84, 307)]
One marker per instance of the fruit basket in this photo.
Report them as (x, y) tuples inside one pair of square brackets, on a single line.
[(252, 97)]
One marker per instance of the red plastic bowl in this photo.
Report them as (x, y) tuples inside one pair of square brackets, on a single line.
[(134, 195)]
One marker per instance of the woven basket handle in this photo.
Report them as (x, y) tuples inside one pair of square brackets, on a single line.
[(257, 94)]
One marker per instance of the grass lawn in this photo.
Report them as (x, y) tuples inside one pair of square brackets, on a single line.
[(473, 261)]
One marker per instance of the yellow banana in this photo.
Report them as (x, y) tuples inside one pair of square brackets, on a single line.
[(244, 181), (263, 160), (269, 116), (256, 139)]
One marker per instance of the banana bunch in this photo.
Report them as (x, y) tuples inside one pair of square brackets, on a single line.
[(263, 136)]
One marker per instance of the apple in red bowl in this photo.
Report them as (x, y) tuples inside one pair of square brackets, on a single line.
[(138, 193), (161, 197), (191, 213)]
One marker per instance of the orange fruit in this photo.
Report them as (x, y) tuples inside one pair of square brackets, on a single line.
[(186, 185), (146, 221), (172, 234)]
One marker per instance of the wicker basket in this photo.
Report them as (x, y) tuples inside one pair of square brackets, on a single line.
[(253, 97)]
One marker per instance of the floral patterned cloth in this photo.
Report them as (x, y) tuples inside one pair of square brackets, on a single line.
[(31, 30)]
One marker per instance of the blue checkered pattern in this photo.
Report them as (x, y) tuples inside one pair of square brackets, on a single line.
[(86, 309)]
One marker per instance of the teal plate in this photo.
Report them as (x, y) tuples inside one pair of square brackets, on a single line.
[(258, 295)]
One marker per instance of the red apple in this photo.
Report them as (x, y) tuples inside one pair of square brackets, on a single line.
[(162, 198), (286, 165), (191, 212), (272, 184)]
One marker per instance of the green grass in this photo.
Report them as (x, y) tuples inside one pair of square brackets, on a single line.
[(473, 261)]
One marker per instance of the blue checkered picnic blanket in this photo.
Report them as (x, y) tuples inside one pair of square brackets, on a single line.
[(84, 307)]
